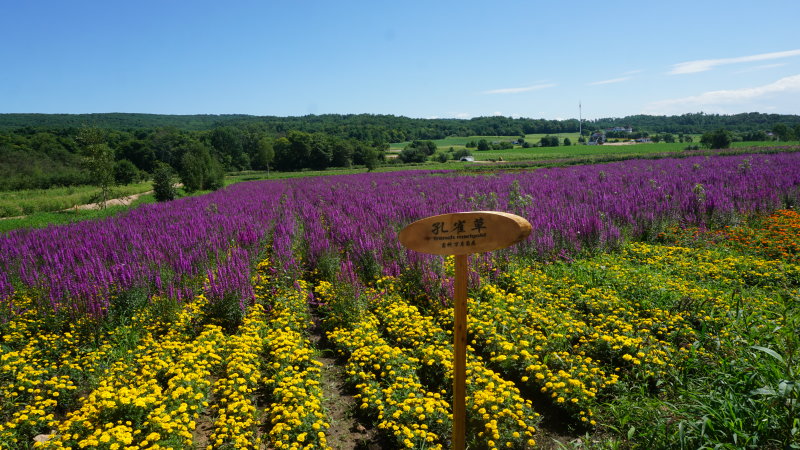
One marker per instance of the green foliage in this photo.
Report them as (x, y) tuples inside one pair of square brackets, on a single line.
[(298, 150), (125, 172), (413, 155), (782, 132), (163, 188), (458, 154), (720, 138), (43, 151), (227, 141), (517, 201), (199, 170), (47, 218), (371, 160), (264, 155), (98, 159), (226, 312), (427, 147), (549, 141)]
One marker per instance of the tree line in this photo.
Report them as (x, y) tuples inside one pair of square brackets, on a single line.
[(45, 150), (375, 129), (32, 158)]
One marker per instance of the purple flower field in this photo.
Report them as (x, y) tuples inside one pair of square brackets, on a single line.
[(174, 248)]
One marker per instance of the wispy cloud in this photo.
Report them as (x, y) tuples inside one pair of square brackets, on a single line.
[(761, 67), (518, 90), (611, 81), (708, 100), (702, 65)]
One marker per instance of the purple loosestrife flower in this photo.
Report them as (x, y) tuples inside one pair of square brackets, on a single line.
[(169, 248)]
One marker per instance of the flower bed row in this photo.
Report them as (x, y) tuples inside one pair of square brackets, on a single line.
[(153, 398), (401, 363), (290, 375)]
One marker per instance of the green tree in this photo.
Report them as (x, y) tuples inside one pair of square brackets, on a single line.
[(782, 132), (293, 152), (264, 154), (458, 154), (429, 147), (483, 145), (200, 170), (98, 159), (320, 153), (720, 138), (163, 188), (567, 142), (549, 141), (413, 155), (125, 172), (341, 152), (371, 160), (228, 142)]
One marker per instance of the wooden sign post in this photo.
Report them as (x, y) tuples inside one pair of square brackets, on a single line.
[(460, 234)]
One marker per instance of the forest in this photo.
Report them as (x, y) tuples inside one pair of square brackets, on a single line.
[(43, 150)]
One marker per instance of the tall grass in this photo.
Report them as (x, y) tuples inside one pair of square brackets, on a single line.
[(31, 201)]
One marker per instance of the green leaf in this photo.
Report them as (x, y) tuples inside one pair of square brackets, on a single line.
[(768, 351), (631, 431), (785, 387), (763, 391)]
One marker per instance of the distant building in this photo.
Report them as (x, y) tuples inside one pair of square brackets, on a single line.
[(467, 158), (622, 129), (597, 138)]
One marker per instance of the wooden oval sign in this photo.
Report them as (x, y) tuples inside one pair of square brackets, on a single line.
[(465, 233)]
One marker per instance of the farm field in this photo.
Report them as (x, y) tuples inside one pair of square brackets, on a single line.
[(655, 304), (603, 151), (458, 142), (561, 152)]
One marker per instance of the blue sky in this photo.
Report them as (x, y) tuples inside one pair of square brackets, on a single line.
[(458, 59)]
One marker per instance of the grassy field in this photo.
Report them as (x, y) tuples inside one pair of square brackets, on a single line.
[(42, 219), (26, 202), (608, 150)]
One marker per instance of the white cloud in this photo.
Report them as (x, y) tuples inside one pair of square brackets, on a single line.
[(463, 115), (761, 67), (711, 100), (611, 81), (702, 65), (518, 90)]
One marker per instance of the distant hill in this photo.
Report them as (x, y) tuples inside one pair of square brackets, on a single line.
[(389, 128), (116, 121)]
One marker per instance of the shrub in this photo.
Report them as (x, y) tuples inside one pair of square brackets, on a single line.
[(162, 183)]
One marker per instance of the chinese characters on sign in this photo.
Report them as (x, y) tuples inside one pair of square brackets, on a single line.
[(464, 233), (458, 233)]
